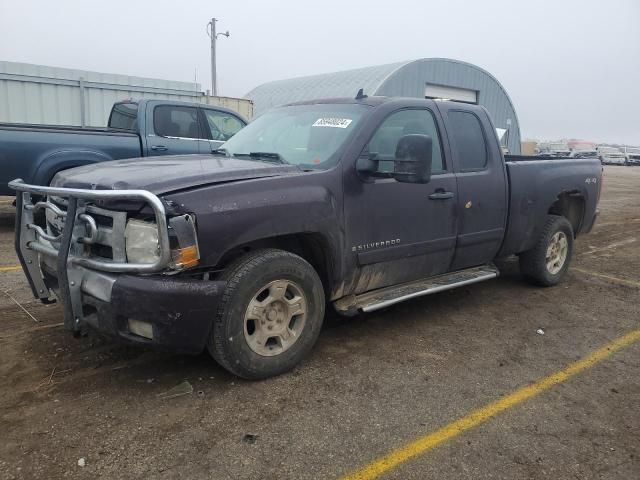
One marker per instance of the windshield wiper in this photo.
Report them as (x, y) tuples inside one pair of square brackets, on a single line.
[(221, 151), (265, 155)]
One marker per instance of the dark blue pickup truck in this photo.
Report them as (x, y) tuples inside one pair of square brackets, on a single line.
[(36, 153), (354, 203)]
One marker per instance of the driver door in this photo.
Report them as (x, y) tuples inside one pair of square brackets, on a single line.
[(401, 232), (176, 130)]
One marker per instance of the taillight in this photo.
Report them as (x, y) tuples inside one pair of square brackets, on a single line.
[(601, 182)]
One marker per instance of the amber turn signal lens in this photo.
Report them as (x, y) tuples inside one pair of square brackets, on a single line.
[(186, 257)]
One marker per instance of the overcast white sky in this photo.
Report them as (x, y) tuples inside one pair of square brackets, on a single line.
[(572, 68)]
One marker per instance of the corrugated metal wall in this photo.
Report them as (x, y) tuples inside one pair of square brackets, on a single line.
[(61, 96), (336, 84), (405, 79), (410, 80), (241, 105)]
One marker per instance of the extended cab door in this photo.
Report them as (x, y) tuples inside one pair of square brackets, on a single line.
[(481, 181), (400, 232), (172, 129), (218, 126)]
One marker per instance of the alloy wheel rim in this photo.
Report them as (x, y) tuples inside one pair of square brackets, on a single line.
[(557, 252), (275, 318)]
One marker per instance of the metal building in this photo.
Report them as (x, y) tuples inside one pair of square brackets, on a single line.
[(62, 96), (423, 78)]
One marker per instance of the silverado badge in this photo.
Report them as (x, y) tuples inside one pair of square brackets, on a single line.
[(372, 245)]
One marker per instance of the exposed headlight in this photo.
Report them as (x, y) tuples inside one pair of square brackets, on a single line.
[(141, 241), (142, 246)]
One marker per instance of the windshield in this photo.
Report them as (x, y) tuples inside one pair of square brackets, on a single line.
[(309, 136), (609, 150), (633, 151)]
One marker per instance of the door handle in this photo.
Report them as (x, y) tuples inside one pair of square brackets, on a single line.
[(159, 148), (441, 195)]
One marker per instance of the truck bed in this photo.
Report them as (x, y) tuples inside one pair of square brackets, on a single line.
[(533, 188), (528, 158), (36, 153), (62, 128)]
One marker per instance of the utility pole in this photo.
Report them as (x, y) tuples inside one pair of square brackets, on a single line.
[(211, 31)]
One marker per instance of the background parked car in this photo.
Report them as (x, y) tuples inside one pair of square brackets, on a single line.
[(579, 153), (631, 155), (554, 149), (611, 156), (142, 128), (581, 144)]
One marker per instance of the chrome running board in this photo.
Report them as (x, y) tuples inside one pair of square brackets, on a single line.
[(384, 297)]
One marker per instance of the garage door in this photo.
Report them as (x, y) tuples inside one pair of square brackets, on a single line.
[(451, 93)]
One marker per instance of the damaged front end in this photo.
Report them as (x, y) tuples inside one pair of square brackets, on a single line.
[(118, 261)]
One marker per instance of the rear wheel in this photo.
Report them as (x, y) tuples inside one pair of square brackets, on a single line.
[(270, 315), (548, 261)]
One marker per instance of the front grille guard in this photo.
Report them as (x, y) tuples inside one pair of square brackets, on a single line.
[(31, 241)]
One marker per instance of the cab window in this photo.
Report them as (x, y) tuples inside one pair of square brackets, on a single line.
[(124, 116), (405, 122), (176, 121), (223, 125), (468, 141)]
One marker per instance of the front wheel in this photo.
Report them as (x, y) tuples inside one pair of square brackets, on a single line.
[(270, 315), (548, 261)]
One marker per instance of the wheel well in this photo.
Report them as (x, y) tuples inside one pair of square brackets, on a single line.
[(55, 172), (571, 206), (313, 247)]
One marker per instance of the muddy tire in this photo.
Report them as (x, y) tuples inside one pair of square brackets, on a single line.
[(270, 314), (548, 261)]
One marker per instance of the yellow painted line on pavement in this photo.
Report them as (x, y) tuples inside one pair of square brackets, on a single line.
[(423, 444), (621, 281), (10, 268)]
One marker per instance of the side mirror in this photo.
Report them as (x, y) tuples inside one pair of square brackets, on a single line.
[(367, 165), (413, 159)]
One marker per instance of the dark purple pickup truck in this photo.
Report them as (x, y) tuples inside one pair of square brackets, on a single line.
[(353, 203)]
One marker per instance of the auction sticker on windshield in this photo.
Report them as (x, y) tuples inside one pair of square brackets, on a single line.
[(333, 122)]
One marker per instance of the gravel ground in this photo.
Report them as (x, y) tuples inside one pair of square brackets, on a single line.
[(373, 383)]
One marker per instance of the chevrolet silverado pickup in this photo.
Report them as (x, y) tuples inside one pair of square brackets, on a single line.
[(36, 153), (356, 204)]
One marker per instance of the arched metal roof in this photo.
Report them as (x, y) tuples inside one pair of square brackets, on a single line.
[(402, 79), (337, 84)]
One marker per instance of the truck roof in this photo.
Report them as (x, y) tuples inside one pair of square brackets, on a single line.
[(142, 101), (375, 101), (372, 101)]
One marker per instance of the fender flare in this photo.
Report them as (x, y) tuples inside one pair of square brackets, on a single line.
[(60, 160)]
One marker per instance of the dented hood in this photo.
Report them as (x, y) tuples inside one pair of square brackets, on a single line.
[(166, 174)]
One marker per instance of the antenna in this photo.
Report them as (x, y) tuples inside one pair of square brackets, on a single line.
[(360, 95)]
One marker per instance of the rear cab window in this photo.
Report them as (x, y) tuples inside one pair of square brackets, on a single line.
[(469, 141), (176, 121), (124, 116)]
